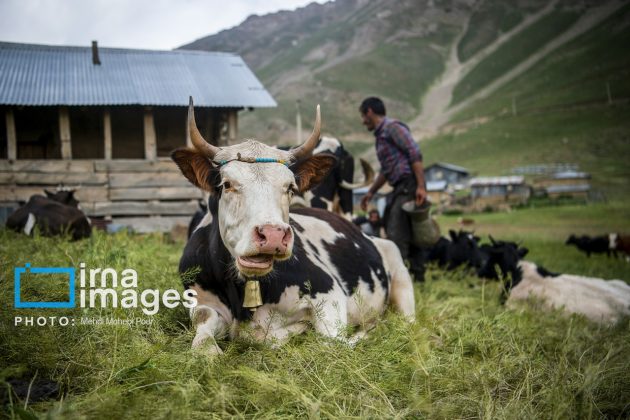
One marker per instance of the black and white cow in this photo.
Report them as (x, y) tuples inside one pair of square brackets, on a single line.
[(315, 268), (53, 215), (601, 301), (334, 192)]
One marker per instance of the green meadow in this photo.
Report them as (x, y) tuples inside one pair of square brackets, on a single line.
[(465, 356)]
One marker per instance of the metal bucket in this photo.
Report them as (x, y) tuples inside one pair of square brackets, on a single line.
[(425, 230)]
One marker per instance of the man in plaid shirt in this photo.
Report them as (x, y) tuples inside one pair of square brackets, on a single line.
[(401, 166)]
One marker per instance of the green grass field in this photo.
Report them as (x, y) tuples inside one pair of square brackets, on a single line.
[(465, 356)]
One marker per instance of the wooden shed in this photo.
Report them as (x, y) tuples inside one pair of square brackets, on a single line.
[(104, 121), (495, 191), (567, 184), (452, 174)]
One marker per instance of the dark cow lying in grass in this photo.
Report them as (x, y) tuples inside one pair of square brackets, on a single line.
[(314, 267), (592, 245), (602, 301), (55, 214)]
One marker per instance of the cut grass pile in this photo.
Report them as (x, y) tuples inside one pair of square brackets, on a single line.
[(466, 355)]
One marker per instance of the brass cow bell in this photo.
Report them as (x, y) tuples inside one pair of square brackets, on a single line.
[(252, 298)]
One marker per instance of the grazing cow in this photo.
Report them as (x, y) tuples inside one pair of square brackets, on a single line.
[(306, 261), (334, 192), (462, 249), (53, 215), (595, 245), (620, 243)]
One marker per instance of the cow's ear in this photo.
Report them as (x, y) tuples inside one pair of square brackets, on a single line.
[(522, 252), (452, 234), (196, 168), (310, 172), (49, 194)]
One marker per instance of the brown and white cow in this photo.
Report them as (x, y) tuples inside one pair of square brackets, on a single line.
[(314, 267)]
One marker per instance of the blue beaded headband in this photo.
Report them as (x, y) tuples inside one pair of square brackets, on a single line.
[(251, 160)]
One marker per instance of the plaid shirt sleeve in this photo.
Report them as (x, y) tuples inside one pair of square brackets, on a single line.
[(402, 138)]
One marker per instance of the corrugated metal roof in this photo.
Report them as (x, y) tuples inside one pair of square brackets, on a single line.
[(53, 75), (450, 167), (568, 188), (496, 180), (571, 175), (436, 185)]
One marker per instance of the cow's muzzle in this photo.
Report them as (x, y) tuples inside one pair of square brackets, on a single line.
[(273, 242), (272, 239)]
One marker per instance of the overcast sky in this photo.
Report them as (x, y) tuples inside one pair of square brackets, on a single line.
[(151, 24)]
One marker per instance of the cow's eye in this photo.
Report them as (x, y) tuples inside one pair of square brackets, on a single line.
[(291, 190), (228, 187)]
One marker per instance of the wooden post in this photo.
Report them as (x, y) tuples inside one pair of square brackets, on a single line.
[(150, 146), (11, 135), (232, 126), (64, 133), (107, 133)]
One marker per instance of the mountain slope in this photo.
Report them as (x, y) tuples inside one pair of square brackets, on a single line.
[(520, 82), (338, 53)]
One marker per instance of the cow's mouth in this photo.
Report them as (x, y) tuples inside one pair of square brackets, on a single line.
[(256, 262)]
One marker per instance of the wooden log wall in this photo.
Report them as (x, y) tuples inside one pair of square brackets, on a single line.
[(146, 195)]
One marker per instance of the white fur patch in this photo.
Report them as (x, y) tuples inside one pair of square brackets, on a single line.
[(207, 219), (30, 223), (612, 241), (603, 301)]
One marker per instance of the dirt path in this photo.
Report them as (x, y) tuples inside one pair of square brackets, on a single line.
[(435, 105)]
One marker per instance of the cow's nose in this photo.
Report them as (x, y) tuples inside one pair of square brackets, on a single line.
[(272, 239)]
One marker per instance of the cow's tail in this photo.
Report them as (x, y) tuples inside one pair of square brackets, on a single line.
[(401, 294)]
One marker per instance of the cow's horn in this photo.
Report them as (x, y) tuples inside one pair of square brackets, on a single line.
[(368, 174), (195, 136), (307, 147)]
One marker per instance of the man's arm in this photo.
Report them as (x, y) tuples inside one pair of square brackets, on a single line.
[(418, 171), (378, 183)]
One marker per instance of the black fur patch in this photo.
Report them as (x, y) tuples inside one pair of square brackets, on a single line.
[(218, 275), (543, 272)]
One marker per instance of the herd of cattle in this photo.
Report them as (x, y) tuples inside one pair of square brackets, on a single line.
[(312, 266)]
